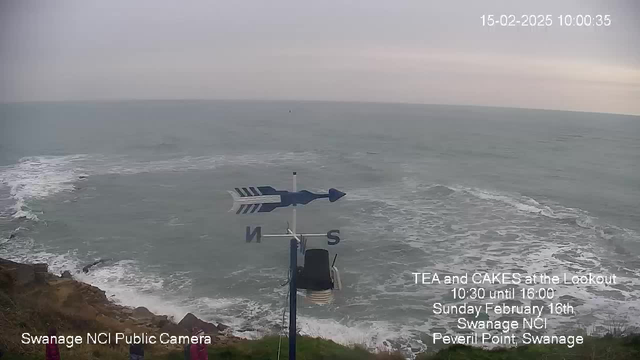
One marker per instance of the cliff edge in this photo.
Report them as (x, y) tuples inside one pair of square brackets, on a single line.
[(32, 300)]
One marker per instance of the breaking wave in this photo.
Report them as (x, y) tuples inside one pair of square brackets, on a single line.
[(126, 283), (36, 178), (39, 177), (467, 229), (623, 240)]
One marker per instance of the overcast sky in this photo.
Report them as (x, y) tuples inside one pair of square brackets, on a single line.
[(434, 52)]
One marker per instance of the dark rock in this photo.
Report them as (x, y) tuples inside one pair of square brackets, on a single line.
[(22, 274), (174, 329), (415, 348), (7, 278), (66, 275), (245, 329), (86, 268), (190, 321), (142, 313), (222, 327), (92, 294), (25, 275)]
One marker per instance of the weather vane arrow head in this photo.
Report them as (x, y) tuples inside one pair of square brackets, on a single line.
[(335, 195), (248, 200)]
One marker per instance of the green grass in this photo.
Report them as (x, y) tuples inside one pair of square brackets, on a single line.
[(263, 349), (607, 348), (307, 348), (31, 311)]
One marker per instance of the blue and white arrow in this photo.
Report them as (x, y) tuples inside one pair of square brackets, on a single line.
[(248, 200), (252, 199)]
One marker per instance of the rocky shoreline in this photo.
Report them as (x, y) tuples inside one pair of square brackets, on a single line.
[(32, 300), (80, 306)]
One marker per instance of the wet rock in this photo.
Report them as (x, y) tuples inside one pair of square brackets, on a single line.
[(415, 347), (86, 268), (66, 275), (222, 327), (246, 329), (190, 321)]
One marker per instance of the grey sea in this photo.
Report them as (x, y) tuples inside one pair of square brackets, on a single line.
[(430, 188)]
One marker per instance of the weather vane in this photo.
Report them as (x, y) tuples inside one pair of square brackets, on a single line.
[(316, 276)]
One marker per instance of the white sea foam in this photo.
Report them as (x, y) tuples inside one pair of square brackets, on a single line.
[(372, 335), (521, 203), (125, 283), (122, 281), (471, 229), (625, 239), (491, 227), (38, 177)]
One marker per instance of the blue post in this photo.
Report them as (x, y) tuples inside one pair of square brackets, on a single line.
[(292, 299)]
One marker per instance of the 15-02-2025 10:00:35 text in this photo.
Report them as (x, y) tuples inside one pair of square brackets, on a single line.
[(511, 20)]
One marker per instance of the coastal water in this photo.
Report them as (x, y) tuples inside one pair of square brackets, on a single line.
[(429, 189)]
